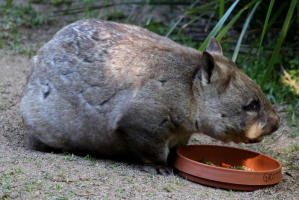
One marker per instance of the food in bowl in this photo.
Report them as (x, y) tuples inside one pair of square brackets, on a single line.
[(227, 166)]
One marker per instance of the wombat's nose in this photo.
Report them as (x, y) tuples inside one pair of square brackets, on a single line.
[(274, 128), (275, 123), (272, 125)]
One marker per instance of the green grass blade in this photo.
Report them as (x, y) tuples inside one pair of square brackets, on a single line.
[(233, 20), (8, 5), (229, 25), (266, 24), (86, 12), (279, 41), (243, 31), (204, 7), (277, 14), (178, 21), (192, 20), (218, 26), (221, 8)]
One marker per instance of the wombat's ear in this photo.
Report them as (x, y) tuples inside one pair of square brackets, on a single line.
[(207, 68), (214, 47)]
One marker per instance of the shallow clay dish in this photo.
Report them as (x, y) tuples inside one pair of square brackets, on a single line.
[(266, 170)]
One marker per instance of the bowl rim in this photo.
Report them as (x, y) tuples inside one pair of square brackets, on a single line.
[(233, 176)]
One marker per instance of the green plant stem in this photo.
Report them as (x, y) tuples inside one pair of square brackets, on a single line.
[(221, 8), (87, 8), (233, 20), (205, 7), (266, 24), (178, 21), (218, 26), (248, 19)]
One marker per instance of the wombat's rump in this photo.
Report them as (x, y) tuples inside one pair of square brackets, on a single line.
[(118, 90)]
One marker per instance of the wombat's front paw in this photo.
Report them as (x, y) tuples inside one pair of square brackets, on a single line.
[(158, 169)]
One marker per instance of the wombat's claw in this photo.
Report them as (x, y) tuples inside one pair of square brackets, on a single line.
[(158, 169)]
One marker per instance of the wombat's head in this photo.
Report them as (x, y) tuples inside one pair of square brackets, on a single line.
[(232, 107)]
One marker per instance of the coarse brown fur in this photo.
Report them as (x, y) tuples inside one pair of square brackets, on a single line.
[(117, 90)]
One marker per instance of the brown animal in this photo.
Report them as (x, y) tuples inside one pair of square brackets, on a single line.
[(116, 90)]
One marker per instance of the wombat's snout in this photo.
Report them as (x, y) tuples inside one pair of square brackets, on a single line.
[(270, 128)]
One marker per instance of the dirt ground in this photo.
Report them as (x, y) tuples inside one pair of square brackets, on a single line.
[(27, 174)]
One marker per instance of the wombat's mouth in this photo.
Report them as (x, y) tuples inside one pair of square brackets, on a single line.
[(256, 140), (262, 136)]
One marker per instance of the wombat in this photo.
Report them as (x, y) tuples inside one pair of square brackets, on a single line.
[(120, 91)]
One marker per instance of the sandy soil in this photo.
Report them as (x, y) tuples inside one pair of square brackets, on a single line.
[(27, 174)]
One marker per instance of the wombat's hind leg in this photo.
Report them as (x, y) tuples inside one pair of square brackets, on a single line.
[(36, 144)]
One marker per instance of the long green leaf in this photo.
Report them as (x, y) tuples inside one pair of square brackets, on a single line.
[(280, 40), (87, 8), (278, 13), (192, 20), (233, 20), (204, 7), (218, 26), (237, 48), (8, 5), (178, 21), (221, 8), (266, 24)]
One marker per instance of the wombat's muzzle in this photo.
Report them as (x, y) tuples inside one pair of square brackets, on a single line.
[(268, 130)]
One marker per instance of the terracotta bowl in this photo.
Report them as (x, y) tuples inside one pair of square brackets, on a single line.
[(266, 170)]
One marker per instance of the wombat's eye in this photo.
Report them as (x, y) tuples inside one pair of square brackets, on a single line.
[(252, 106)]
